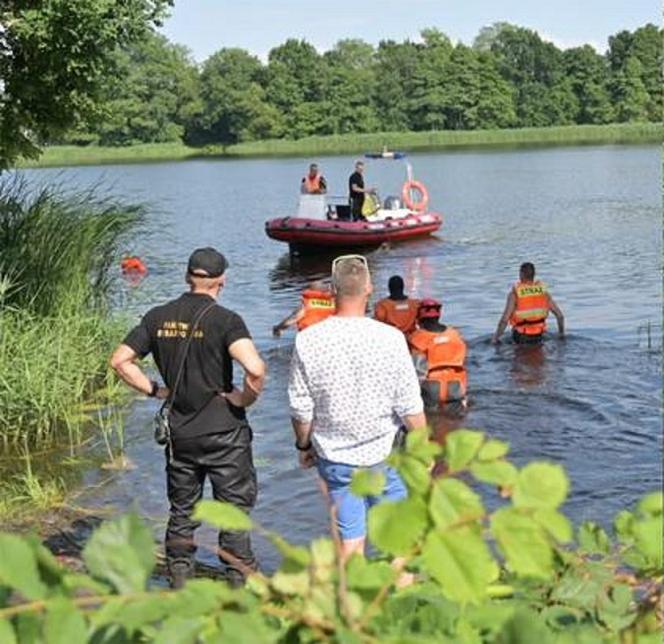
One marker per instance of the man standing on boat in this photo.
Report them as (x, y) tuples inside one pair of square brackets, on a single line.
[(356, 191), (194, 342), (314, 183), (527, 307), (352, 385), (397, 310)]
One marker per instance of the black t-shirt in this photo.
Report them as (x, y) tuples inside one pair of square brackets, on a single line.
[(356, 179), (163, 332)]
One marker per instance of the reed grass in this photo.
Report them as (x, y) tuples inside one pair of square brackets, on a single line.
[(57, 248), (622, 133), (57, 252), (450, 139)]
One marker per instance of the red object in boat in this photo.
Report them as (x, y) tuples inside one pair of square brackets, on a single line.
[(301, 232)]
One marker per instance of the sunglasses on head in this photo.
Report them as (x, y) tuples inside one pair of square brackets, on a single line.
[(348, 258)]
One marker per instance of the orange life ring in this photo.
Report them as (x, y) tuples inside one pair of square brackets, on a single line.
[(421, 204)]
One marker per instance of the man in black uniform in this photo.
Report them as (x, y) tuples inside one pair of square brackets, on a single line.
[(356, 191), (210, 435)]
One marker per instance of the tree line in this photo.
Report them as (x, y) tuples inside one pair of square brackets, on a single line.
[(509, 77)]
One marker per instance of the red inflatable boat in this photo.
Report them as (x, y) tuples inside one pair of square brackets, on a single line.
[(302, 232), (325, 222)]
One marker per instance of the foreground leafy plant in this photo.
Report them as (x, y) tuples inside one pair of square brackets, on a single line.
[(508, 573)]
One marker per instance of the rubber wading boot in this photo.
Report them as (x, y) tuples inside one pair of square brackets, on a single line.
[(180, 571)]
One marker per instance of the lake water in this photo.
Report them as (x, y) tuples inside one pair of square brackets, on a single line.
[(589, 218)]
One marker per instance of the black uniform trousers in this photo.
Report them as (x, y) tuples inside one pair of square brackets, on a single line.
[(226, 459)]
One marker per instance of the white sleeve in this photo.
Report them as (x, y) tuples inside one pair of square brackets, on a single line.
[(407, 397), (299, 394)]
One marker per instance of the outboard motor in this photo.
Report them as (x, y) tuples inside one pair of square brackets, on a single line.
[(392, 203)]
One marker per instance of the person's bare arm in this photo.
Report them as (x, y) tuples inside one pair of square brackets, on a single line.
[(302, 429), (244, 352), (123, 362), (288, 322), (415, 421), (560, 318), (510, 306)]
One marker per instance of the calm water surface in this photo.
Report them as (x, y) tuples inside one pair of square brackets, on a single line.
[(590, 219)]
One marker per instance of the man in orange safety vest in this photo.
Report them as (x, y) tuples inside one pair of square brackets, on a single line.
[(314, 182), (439, 353), (317, 305), (397, 310), (528, 305)]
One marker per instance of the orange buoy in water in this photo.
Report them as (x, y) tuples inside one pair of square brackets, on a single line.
[(133, 269)]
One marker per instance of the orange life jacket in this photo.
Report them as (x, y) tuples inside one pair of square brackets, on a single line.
[(312, 185), (445, 355), (401, 314), (318, 305), (532, 308)]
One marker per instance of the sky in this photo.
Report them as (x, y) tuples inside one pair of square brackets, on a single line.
[(205, 26)]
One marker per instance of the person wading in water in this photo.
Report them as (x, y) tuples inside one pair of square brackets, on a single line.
[(397, 310), (527, 307)]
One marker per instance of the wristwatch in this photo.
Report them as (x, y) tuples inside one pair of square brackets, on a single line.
[(303, 448), (154, 390)]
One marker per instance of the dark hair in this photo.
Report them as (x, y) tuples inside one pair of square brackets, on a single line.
[(395, 285), (527, 270)]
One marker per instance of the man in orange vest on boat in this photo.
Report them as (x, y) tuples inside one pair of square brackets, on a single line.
[(314, 183), (527, 307), (397, 310), (317, 305), (439, 353)]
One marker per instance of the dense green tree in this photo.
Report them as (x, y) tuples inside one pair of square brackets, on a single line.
[(647, 48), (395, 66), (232, 99), (295, 74), (495, 103), (534, 67), (644, 47), (55, 56), (350, 87), (428, 100), (155, 94), (587, 72), (630, 96)]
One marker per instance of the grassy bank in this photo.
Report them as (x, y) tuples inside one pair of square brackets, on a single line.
[(353, 143)]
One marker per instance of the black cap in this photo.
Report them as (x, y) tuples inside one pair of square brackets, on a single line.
[(207, 262)]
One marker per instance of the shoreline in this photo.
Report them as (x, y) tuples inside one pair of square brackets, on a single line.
[(572, 135)]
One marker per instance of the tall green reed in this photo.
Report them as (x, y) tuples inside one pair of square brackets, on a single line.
[(57, 254), (57, 248)]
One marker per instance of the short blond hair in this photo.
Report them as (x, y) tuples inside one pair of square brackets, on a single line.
[(350, 278)]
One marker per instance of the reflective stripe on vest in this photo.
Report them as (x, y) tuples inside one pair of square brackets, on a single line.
[(401, 314), (318, 305), (532, 308), (312, 186), (445, 355), (444, 349)]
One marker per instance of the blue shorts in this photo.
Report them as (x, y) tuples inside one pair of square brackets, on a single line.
[(352, 510)]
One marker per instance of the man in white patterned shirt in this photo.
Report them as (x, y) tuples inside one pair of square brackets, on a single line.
[(352, 386)]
